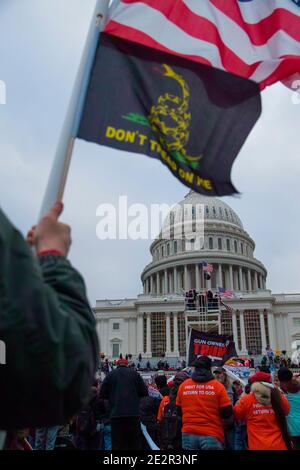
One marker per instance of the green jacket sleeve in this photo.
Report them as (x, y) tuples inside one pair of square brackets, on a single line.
[(49, 331)]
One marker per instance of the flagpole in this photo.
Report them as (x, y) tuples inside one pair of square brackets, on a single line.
[(59, 172)]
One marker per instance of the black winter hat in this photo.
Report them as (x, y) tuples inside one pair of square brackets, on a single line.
[(203, 362), (284, 374)]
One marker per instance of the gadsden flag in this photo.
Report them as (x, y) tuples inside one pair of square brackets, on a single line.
[(191, 116)]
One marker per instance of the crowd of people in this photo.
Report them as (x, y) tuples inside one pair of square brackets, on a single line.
[(51, 399), (142, 365), (197, 410)]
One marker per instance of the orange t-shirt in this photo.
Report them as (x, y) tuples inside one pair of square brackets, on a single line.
[(162, 405), (200, 403), (263, 430)]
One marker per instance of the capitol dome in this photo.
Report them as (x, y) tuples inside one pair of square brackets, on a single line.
[(177, 264), (214, 209)]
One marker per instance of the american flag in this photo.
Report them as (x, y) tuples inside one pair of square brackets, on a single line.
[(207, 268), (225, 292), (256, 39)]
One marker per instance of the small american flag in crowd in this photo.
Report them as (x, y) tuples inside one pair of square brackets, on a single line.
[(225, 292), (207, 268)]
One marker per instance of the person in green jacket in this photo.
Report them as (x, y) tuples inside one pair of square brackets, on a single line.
[(47, 326)]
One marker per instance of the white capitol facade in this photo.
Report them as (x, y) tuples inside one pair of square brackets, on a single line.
[(156, 323)]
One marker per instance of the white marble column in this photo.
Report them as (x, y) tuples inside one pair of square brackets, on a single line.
[(186, 280), (125, 342), (249, 280), (260, 280), (230, 277), (288, 342), (235, 330), (168, 334), (241, 278), (280, 328), (271, 328), (176, 339), (243, 333), (105, 337), (169, 282), (148, 352), (140, 334), (255, 281), (197, 276), (165, 281), (151, 285), (220, 280), (175, 277), (262, 332), (157, 284)]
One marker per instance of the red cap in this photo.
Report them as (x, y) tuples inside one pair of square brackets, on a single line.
[(260, 377), (121, 362)]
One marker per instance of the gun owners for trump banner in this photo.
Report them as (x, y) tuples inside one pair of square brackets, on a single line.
[(218, 347)]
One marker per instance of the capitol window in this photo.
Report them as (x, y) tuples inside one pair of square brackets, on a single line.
[(162, 251), (220, 243), (175, 247), (235, 246), (168, 249), (207, 209), (242, 248), (228, 244), (115, 350), (116, 326), (214, 210), (211, 243)]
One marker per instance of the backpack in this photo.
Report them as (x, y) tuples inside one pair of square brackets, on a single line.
[(86, 424), (170, 430)]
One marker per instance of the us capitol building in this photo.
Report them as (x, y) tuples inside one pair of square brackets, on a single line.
[(157, 322)]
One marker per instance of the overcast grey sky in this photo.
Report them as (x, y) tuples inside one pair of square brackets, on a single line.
[(40, 47)]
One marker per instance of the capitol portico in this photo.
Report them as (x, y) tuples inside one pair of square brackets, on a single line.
[(156, 323)]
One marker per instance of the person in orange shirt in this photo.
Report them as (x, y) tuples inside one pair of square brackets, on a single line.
[(206, 409), (264, 410), (164, 401)]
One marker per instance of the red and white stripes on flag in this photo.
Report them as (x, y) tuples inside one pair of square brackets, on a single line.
[(207, 268), (225, 292), (256, 39)]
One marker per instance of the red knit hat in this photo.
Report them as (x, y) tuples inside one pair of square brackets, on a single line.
[(260, 377)]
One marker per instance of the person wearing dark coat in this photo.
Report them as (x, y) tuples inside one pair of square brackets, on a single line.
[(149, 407), (123, 388), (161, 383), (47, 326)]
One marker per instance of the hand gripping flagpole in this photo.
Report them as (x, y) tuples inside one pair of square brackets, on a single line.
[(62, 159)]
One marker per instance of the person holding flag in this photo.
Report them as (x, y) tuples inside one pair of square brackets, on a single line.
[(47, 326)]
